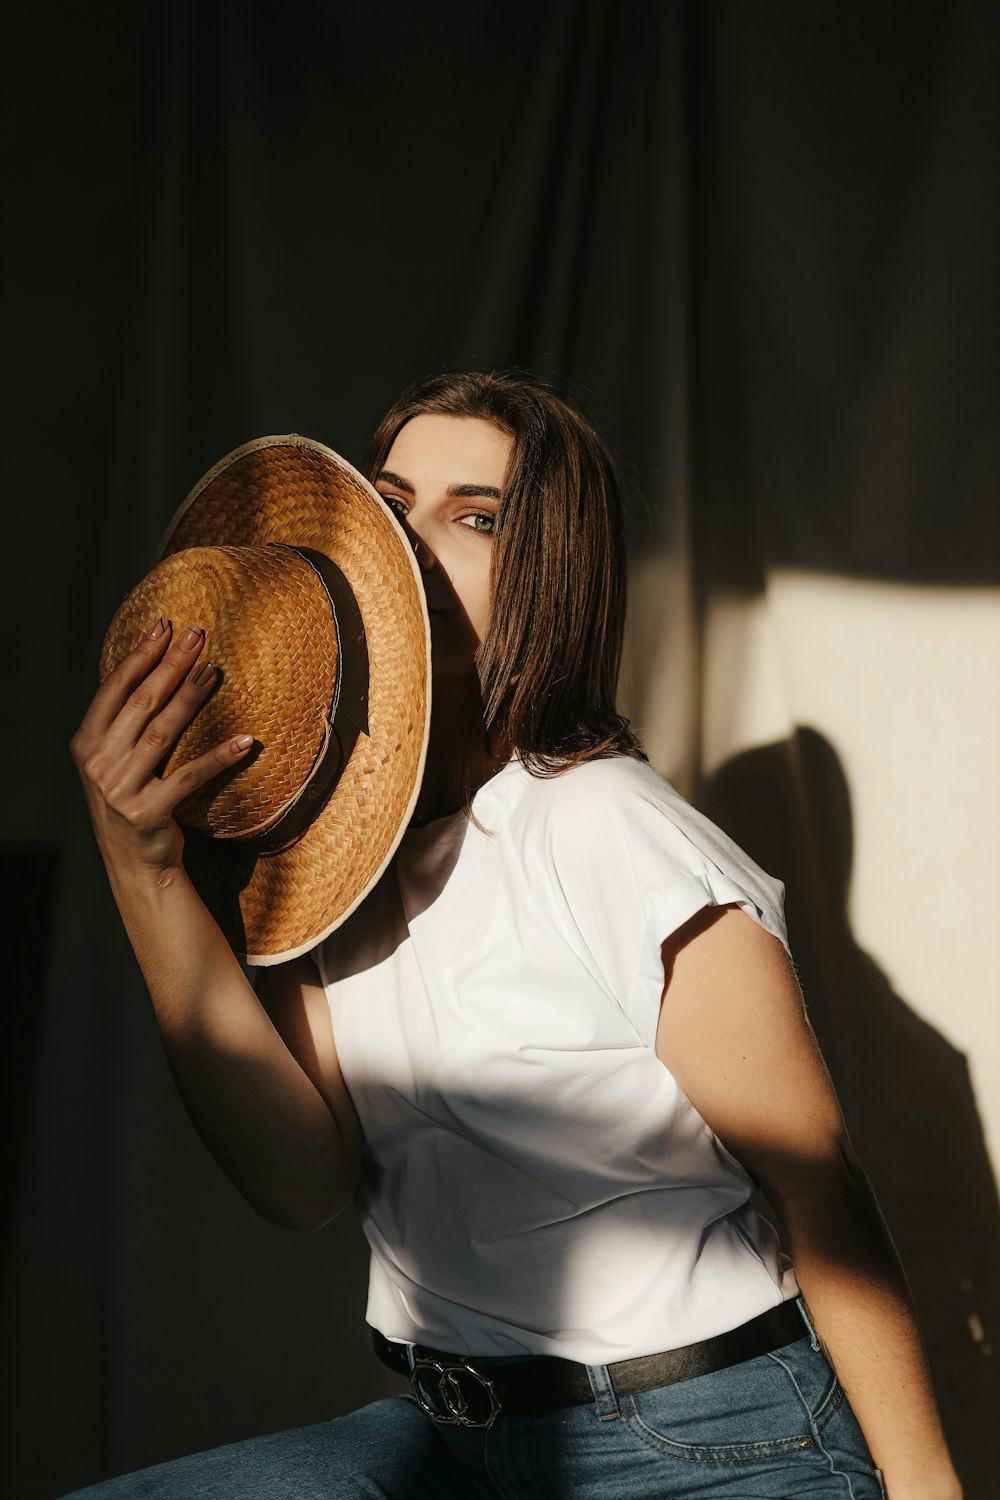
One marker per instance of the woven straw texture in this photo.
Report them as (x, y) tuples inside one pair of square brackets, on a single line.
[(276, 905), (269, 630)]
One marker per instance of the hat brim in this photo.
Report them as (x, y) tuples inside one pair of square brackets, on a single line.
[(274, 906)]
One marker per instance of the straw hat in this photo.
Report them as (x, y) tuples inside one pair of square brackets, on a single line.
[(314, 613)]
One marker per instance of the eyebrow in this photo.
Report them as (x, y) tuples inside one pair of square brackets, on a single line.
[(457, 491)]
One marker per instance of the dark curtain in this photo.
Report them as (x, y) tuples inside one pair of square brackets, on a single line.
[(760, 237)]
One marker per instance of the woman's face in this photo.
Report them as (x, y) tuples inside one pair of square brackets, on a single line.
[(442, 478)]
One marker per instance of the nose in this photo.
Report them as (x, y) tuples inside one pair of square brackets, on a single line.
[(425, 557)]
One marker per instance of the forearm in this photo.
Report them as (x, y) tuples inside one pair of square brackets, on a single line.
[(854, 1286), (252, 1104)]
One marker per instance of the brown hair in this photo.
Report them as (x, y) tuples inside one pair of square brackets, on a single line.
[(548, 665)]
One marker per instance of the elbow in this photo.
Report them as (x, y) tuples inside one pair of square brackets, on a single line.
[(303, 1218), (833, 1212), (306, 1223), (833, 1173), (302, 1191), (305, 1215), (851, 1166)]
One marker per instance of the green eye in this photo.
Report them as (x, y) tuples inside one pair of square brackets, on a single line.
[(482, 522)]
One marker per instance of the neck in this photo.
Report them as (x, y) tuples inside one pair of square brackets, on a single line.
[(456, 721)]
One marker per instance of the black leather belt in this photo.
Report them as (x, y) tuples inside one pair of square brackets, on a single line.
[(471, 1392)]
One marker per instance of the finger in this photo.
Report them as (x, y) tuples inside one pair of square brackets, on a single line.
[(161, 734), (162, 797), (152, 690), (107, 702)]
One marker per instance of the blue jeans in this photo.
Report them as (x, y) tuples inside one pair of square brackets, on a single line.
[(773, 1428)]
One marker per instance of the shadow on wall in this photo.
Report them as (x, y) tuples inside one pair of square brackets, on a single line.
[(905, 1091)]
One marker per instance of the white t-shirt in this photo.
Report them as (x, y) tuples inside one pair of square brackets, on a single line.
[(533, 1180)]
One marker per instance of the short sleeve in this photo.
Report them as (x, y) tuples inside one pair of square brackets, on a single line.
[(630, 861)]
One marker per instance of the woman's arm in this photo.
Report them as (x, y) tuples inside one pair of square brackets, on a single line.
[(296, 1002), (734, 1033), (268, 1124)]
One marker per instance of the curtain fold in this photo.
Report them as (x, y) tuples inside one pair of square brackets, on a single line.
[(761, 242)]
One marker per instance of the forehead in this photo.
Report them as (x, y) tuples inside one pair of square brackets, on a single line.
[(434, 449)]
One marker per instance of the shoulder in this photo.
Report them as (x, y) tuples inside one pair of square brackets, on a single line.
[(610, 781), (592, 800), (613, 815), (616, 827)]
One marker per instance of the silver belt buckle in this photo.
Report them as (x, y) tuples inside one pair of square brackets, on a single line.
[(455, 1407)]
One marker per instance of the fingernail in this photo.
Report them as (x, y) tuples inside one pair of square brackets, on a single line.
[(203, 671), (158, 629), (190, 639), (242, 742)]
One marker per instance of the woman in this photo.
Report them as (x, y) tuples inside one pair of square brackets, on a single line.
[(549, 1055)]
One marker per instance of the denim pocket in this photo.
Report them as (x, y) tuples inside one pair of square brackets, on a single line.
[(750, 1412), (842, 1443)]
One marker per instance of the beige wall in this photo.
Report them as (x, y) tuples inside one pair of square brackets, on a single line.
[(904, 682)]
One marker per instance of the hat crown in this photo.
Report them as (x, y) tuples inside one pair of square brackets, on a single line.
[(271, 634), (276, 894)]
